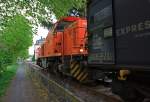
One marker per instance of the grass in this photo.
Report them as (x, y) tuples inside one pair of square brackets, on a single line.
[(6, 78)]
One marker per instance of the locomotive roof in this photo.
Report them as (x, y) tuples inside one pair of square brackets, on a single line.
[(69, 18)]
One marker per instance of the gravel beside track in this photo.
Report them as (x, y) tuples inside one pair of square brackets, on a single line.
[(87, 94)]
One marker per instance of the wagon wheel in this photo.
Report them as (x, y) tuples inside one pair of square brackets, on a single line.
[(78, 71)]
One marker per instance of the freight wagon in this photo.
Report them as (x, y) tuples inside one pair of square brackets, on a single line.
[(118, 45)]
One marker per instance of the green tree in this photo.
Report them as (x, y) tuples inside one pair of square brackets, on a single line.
[(61, 7), (16, 16), (15, 39), (39, 11)]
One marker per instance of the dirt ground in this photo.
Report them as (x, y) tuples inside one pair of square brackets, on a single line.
[(22, 89)]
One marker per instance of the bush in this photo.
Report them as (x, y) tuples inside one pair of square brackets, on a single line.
[(6, 78)]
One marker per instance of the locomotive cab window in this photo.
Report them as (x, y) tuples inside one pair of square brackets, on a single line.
[(61, 26)]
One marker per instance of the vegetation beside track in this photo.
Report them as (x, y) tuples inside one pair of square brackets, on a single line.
[(6, 78), (15, 37)]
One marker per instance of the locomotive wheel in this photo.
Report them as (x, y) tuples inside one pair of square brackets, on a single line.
[(78, 71), (55, 68), (52, 67), (126, 91), (39, 63)]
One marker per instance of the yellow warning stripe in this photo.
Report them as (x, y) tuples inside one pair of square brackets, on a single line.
[(85, 76), (72, 64), (81, 74), (78, 71), (74, 69)]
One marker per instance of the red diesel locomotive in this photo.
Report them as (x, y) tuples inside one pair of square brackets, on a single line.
[(64, 49)]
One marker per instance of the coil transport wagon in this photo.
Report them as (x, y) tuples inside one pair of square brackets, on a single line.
[(118, 45)]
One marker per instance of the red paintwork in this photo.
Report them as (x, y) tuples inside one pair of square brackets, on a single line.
[(69, 18), (68, 42), (75, 38)]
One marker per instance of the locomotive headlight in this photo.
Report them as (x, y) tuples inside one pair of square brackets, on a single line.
[(81, 50)]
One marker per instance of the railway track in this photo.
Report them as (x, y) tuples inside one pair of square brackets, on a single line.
[(69, 90)]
